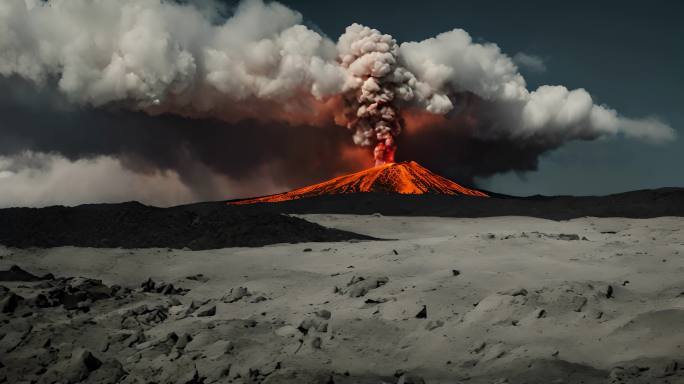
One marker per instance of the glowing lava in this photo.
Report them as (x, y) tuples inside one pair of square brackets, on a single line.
[(403, 178), (384, 151)]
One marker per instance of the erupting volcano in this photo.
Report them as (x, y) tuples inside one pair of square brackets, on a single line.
[(404, 178)]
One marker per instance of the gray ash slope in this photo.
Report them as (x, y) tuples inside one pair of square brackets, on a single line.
[(635, 204), (134, 225)]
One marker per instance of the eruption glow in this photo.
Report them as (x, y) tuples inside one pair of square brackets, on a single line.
[(164, 57), (404, 178)]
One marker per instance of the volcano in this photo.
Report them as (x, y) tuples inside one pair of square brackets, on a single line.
[(407, 178)]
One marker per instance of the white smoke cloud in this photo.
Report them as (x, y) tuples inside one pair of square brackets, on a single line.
[(60, 181), (452, 62), (163, 57), (39, 179)]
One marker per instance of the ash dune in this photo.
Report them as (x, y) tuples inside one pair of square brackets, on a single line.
[(448, 300)]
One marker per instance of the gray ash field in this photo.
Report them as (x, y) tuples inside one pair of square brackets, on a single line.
[(350, 298), (388, 272)]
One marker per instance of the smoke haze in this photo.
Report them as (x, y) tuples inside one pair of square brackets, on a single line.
[(197, 106)]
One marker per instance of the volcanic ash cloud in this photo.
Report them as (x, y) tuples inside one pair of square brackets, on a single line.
[(261, 62)]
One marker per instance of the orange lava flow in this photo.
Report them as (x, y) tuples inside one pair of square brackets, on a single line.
[(402, 178)]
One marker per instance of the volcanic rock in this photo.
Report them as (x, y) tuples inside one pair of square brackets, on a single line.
[(359, 286), (258, 299), (10, 302), (198, 277), (183, 341), (236, 294), (191, 378), (76, 292), (17, 274), (144, 315), (479, 347), (324, 313), (609, 292), (74, 370), (670, 369), (313, 323), (150, 285), (209, 311)]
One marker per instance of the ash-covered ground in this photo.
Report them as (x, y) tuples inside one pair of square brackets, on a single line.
[(448, 300), (134, 225)]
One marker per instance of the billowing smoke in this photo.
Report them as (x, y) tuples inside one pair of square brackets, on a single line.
[(163, 57), (273, 90), (379, 86)]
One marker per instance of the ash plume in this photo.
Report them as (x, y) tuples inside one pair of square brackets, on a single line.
[(261, 80), (378, 85)]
